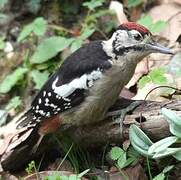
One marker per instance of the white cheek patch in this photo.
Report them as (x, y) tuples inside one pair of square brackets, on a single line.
[(121, 39), (83, 82), (118, 37)]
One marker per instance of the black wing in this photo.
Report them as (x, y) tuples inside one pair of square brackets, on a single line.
[(48, 103)]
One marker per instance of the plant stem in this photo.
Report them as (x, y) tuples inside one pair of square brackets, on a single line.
[(148, 166), (60, 28), (65, 157)]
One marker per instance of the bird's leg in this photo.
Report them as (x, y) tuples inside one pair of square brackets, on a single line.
[(119, 115)]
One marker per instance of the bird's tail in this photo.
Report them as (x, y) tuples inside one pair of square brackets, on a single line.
[(24, 120), (21, 142)]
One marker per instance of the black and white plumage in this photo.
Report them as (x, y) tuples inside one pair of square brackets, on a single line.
[(69, 85), (90, 80)]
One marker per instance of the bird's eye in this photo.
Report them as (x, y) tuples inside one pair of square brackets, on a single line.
[(137, 37)]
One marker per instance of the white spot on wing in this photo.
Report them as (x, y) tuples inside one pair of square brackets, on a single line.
[(44, 93), (66, 99), (48, 114), (42, 112), (39, 100)]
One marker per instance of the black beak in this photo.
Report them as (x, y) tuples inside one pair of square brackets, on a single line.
[(157, 48)]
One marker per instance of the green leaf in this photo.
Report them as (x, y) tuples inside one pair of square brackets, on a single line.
[(171, 116), (146, 21), (177, 155), (162, 144), (174, 121), (175, 130), (2, 43), (122, 161), (49, 48), (25, 32), (3, 3), (12, 79), (91, 5), (116, 152), (166, 152), (143, 81), (74, 177), (158, 26), (14, 103), (76, 44), (134, 3), (133, 156), (63, 177), (140, 150), (168, 168), (86, 33), (56, 177), (39, 78), (139, 140), (83, 173), (39, 26), (160, 176), (139, 137), (129, 161), (157, 76)]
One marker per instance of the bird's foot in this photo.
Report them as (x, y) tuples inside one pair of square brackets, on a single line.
[(119, 115)]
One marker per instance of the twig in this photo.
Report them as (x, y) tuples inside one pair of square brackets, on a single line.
[(60, 28), (170, 87), (173, 16)]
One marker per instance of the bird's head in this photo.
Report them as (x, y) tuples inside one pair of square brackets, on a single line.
[(132, 41)]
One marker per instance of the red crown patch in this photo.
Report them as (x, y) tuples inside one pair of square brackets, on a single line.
[(134, 26)]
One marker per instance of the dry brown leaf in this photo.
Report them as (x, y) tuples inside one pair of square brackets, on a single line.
[(125, 93), (7, 176), (118, 8), (168, 1), (141, 69), (157, 94), (66, 165), (133, 173), (177, 1), (171, 13)]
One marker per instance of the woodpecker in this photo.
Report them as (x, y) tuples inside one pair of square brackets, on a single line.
[(89, 81)]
